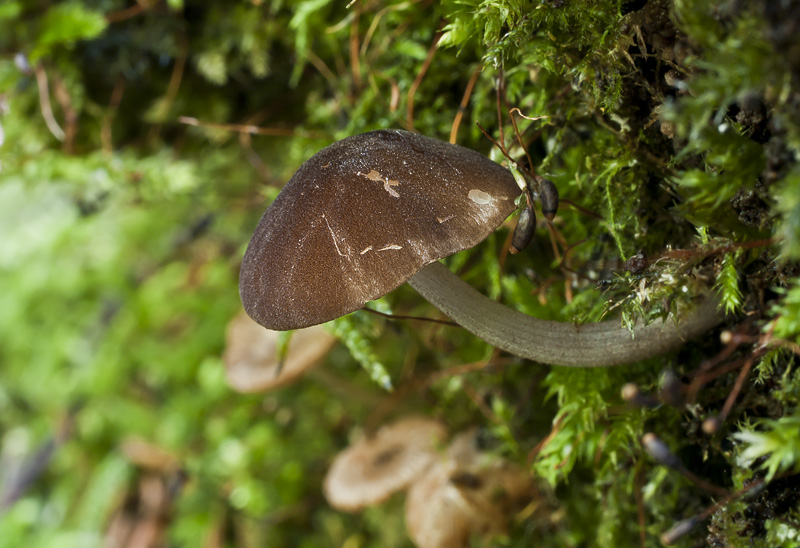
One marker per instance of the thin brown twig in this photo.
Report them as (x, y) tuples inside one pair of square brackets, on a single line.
[(355, 60), (376, 20), (568, 295), (340, 25), (706, 373), (564, 461), (320, 65), (736, 339), (255, 130), (373, 26), (462, 107), (174, 84), (106, 134), (598, 454), (122, 15), (639, 496), (343, 386), (61, 94), (555, 239), (494, 141), (581, 209), (531, 169), (708, 376), (518, 112), (412, 91), (730, 497), (737, 387), (703, 484), (385, 408), (540, 290), (44, 103), (394, 96), (468, 368), (498, 92), (417, 385), (409, 365), (416, 318), (686, 254), (547, 439), (783, 343), (503, 257), (246, 142), (676, 532), (473, 395), (569, 249)]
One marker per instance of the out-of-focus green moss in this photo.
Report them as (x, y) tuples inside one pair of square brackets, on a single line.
[(673, 125)]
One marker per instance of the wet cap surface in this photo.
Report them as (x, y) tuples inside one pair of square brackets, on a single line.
[(361, 217)]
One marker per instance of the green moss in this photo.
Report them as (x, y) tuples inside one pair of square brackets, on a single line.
[(673, 127)]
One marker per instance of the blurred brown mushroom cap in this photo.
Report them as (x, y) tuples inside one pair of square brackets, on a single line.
[(148, 455), (361, 217), (372, 469), (437, 516), (251, 354), (463, 448), (470, 492)]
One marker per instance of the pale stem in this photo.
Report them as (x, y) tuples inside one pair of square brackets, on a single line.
[(599, 344)]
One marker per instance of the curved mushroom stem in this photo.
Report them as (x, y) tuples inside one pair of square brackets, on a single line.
[(558, 343)]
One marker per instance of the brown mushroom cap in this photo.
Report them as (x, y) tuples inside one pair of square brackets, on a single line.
[(470, 492), (372, 469), (251, 354), (437, 516), (361, 217)]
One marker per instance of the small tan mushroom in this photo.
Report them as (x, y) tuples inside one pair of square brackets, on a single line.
[(437, 516), (251, 354), (469, 493), (372, 469)]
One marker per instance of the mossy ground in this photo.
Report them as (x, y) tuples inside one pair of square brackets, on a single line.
[(675, 126)]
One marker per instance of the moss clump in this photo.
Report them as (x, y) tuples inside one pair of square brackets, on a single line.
[(672, 126)]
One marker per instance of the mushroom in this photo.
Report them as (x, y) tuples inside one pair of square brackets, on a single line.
[(468, 493), (372, 469), (437, 516), (251, 356), (375, 210), (507, 478)]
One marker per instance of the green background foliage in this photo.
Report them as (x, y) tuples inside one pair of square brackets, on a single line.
[(122, 225)]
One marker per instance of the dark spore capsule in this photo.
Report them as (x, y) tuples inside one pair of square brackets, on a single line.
[(679, 530), (523, 232), (548, 195), (660, 452)]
